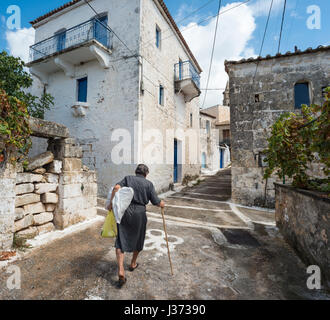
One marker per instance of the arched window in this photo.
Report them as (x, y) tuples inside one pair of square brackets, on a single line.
[(301, 94)]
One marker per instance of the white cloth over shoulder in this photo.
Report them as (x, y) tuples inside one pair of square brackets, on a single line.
[(122, 199)]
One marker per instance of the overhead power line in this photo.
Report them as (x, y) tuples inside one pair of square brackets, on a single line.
[(108, 28), (279, 40), (263, 38), (212, 53), (183, 19)]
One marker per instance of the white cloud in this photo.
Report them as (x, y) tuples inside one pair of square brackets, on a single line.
[(234, 32), (261, 7), (19, 42)]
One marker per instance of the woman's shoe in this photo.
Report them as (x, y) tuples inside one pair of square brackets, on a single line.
[(132, 269), (121, 281)]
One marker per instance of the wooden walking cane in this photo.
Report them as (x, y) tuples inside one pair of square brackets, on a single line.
[(168, 248)]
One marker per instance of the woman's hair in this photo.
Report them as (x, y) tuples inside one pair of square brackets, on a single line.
[(142, 169)]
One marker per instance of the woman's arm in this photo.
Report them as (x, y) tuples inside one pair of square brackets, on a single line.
[(115, 189)]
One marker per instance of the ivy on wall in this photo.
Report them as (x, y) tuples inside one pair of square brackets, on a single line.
[(296, 141), (14, 128)]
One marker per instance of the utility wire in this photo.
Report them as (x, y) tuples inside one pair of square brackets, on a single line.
[(212, 54), (279, 41), (208, 18), (108, 28), (183, 19), (263, 39)]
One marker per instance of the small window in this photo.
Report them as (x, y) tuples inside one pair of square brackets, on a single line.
[(301, 94), (226, 134), (208, 126), (161, 95), (82, 90), (191, 120), (158, 37)]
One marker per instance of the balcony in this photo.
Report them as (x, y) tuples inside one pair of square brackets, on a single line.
[(187, 80), (85, 42)]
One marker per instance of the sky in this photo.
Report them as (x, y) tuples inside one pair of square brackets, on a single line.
[(239, 34)]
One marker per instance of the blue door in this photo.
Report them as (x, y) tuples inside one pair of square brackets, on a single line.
[(180, 70), (61, 38), (203, 160), (101, 32), (175, 173), (221, 158)]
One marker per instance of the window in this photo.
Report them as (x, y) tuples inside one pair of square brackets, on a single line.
[(158, 37), (61, 39), (82, 89), (191, 120), (301, 94), (226, 134), (208, 126), (100, 31), (161, 95)]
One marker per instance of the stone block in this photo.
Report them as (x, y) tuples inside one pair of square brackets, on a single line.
[(24, 188), (70, 205), (40, 160), (72, 164), (48, 227), (72, 178), (23, 223), (39, 170), (45, 187), (89, 201), (19, 213), (70, 190), (28, 233), (55, 167), (26, 199), (49, 197), (34, 208), (89, 189), (50, 207), (61, 221), (28, 178), (43, 218), (7, 188), (51, 177), (88, 214), (47, 129)]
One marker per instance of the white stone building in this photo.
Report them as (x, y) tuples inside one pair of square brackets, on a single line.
[(129, 94), (222, 128), (209, 139)]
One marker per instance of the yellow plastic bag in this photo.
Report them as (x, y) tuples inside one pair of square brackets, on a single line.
[(110, 226)]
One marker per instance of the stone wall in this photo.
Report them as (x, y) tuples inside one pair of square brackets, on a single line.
[(303, 218), (254, 107), (52, 192), (7, 204)]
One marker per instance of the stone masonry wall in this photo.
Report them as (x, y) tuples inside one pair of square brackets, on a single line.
[(255, 105), (7, 204), (303, 218), (52, 192)]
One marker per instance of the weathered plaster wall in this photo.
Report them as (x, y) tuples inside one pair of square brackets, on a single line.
[(112, 93), (303, 218), (250, 120), (158, 68), (209, 143), (114, 97)]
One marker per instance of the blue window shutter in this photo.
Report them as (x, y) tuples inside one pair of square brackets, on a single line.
[(101, 32), (82, 90), (161, 95), (301, 94), (157, 37)]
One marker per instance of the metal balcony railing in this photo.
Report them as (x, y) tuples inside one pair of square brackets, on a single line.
[(84, 32), (186, 70)]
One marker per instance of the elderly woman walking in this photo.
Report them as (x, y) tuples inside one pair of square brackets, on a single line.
[(132, 228)]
